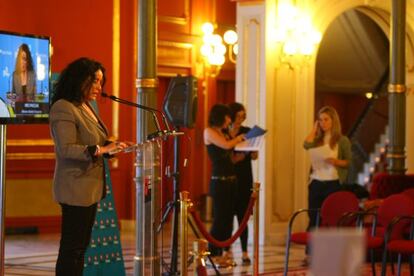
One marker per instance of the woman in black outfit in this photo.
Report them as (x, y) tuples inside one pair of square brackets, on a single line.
[(244, 174), (223, 178)]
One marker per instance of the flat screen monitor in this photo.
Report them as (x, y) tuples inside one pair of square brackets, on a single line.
[(24, 78)]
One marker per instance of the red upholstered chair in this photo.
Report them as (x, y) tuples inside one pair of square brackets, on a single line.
[(334, 207), (384, 184), (393, 206), (399, 246), (409, 192)]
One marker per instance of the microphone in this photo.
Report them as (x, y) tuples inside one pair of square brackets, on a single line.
[(146, 108)]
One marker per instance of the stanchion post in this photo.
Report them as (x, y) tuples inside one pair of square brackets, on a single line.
[(256, 189), (3, 136), (199, 252), (184, 204)]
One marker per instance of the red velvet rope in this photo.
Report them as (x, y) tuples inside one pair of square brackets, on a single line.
[(236, 235), (201, 270)]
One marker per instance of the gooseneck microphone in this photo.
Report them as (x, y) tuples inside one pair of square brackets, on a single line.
[(146, 108)]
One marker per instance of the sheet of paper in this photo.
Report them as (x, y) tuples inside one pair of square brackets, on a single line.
[(319, 155), (252, 144)]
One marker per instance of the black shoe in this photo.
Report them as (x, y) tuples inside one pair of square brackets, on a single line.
[(246, 261)]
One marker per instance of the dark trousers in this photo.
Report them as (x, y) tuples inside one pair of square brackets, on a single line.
[(242, 202), (77, 223), (318, 191), (223, 194)]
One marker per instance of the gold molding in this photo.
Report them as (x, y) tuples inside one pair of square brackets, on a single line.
[(29, 142), (178, 20), (396, 155), (147, 83), (174, 19), (246, 1), (181, 45), (396, 88), (174, 64), (30, 156)]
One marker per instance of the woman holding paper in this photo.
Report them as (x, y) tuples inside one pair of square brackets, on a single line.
[(223, 177), (244, 173), (330, 154)]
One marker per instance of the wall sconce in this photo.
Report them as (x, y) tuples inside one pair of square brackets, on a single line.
[(296, 37), (213, 49)]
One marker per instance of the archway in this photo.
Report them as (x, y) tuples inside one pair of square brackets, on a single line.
[(351, 74)]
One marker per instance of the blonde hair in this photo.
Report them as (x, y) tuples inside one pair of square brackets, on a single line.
[(336, 131)]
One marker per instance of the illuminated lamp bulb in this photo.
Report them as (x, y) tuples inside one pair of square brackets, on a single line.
[(303, 24), (306, 48), (212, 59), (316, 37), (236, 49), (220, 49), (215, 59), (368, 95), (290, 48), (206, 50), (207, 28), (287, 15), (208, 39), (216, 39), (230, 37), (279, 35)]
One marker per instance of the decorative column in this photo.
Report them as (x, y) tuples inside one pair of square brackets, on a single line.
[(396, 88), (147, 66), (146, 260)]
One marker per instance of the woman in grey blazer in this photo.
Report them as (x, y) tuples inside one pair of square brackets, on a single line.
[(81, 143), (24, 75)]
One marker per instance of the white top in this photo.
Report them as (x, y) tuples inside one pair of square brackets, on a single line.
[(321, 170)]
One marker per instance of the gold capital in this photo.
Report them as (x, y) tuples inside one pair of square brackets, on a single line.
[(396, 88), (147, 83), (396, 155)]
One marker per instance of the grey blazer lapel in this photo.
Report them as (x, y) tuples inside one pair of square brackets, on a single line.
[(101, 126)]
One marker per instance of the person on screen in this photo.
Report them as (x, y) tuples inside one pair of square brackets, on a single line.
[(81, 144), (24, 75), (223, 182), (244, 174), (327, 141)]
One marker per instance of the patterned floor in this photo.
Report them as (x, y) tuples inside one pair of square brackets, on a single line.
[(36, 255)]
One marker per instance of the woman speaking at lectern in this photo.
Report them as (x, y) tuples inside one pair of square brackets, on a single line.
[(80, 139)]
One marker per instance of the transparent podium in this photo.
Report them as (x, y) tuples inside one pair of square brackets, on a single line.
[(148, 167)]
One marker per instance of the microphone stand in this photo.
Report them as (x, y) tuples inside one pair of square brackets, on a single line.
[(153, 111), (174, 204)]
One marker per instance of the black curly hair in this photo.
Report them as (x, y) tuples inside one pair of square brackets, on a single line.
[(217, 115), (77, 78), (234, 109)]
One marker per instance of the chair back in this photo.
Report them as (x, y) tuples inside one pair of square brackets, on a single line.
[(393, 206), (409, 192), (336, 205)]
